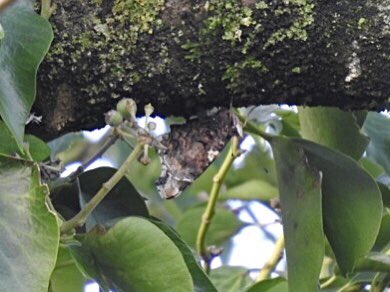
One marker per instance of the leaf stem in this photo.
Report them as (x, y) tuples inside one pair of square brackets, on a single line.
[(80, 218), (252, 128), (380, 282), (274, 259), (210, 208), (328, 282), (111, 139)]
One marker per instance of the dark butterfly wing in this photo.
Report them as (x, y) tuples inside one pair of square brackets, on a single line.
[(191, 148)]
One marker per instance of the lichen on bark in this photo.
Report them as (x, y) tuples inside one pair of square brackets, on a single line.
[(185, 56)]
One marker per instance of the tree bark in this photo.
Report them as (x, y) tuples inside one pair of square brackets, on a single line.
[(187, 56)]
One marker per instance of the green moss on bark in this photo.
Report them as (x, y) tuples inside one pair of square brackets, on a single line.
[(251, 31), (183, 55), (110, 37)]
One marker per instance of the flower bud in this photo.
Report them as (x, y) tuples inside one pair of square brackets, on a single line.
[(149, 109), (127, 107), (113, 118)]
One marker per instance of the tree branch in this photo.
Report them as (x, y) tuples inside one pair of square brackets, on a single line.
[(186, 56)]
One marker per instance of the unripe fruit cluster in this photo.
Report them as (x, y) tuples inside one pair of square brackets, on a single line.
[(113, 118), (126, 109)]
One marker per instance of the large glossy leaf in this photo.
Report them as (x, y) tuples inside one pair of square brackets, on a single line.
[(270, 285), (301, 200), (331, 127), (66, 276), (231, 279), (352, 204), (377, 127), (29, 233), (27, 38), (223, 226), (201, 281), (122, 201), (135, 255)]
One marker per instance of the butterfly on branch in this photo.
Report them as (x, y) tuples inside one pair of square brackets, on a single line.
[(190, 148)]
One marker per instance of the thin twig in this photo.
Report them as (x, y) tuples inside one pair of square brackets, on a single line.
[(80, 218), (209, 212), (107, 144), (274, 259), (261, 226)]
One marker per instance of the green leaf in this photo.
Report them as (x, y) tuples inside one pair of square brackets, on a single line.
[(374, 169), (29, 233), (65, 197), (122, 201), (27, 38), (135, 255), (385, 190), (376, 262), (86, 262), (38, 149), (270, 285), (333, 128), (383, 238), (66, 275), (257, 165), (224, 225), (352, 203), (231, 279), (251, 190), (377, 127), (201, 281), (8, 144), (62, 147), (290, 123), (300, 196)]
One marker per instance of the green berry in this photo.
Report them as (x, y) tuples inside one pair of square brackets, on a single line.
[(152, 126), (113, 118), (127, 107)]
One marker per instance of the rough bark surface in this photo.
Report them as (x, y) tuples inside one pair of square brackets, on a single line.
[(185, 56)]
